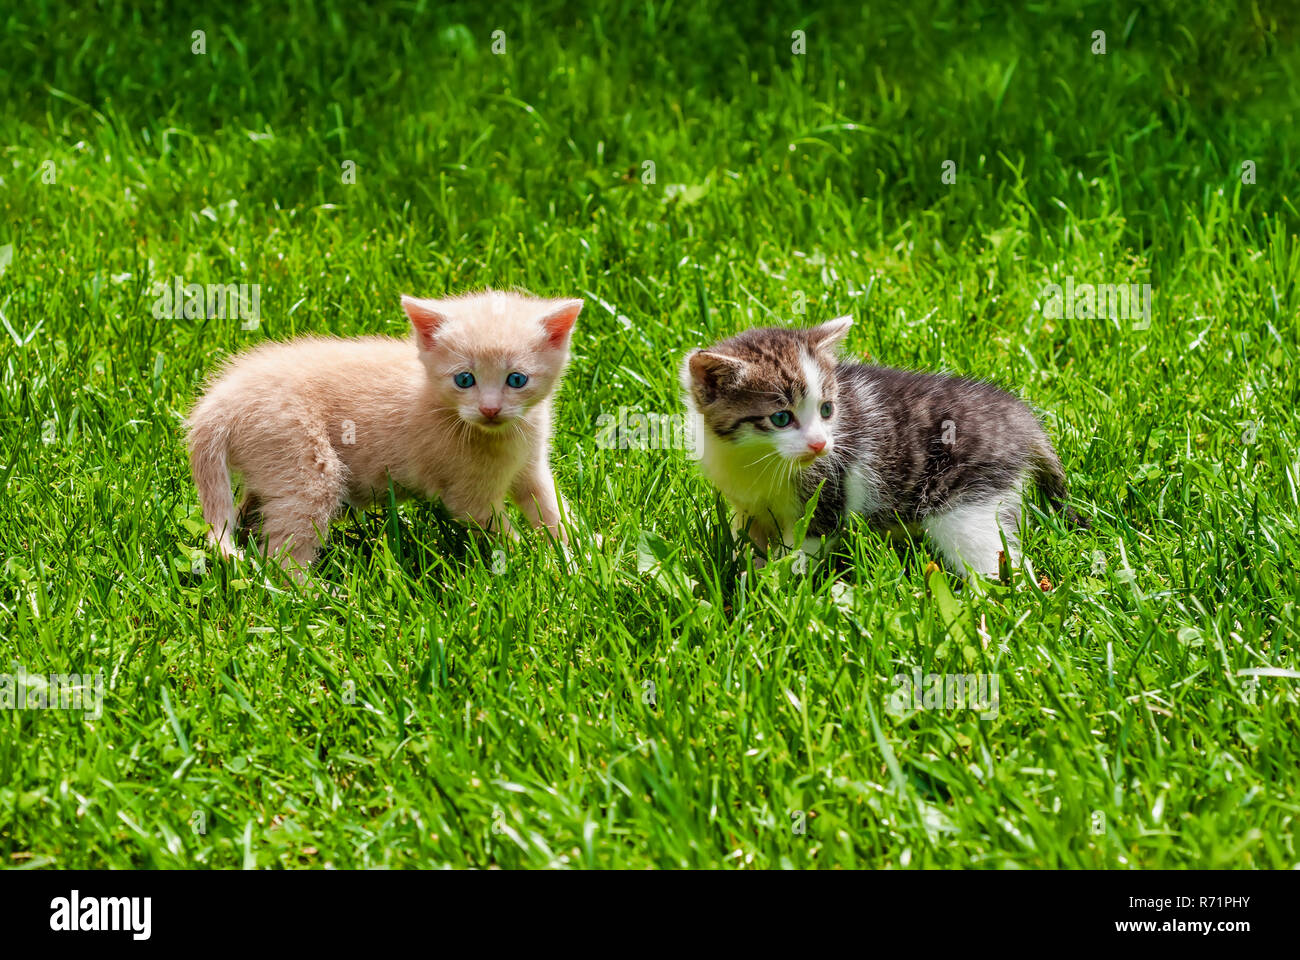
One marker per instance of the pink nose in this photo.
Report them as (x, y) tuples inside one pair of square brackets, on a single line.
[(489, 412), (816, 446)]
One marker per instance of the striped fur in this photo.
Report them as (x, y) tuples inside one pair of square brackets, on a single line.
[(944, 455)]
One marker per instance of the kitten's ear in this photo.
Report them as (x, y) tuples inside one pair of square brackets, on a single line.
[(829, 335), (426, 318), (558, 324), (708, 372)]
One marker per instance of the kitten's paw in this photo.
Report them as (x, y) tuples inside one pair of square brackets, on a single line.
[(226, 548), (575, 550)]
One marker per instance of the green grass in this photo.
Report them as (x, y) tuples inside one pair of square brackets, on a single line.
[(427, 710)]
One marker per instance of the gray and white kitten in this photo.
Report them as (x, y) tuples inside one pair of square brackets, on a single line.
[(937, 454)]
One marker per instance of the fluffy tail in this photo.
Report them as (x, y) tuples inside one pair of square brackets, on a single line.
[(208, 443), (1050, 477)]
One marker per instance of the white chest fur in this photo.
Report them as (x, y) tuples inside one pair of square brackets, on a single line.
[(759, 484)]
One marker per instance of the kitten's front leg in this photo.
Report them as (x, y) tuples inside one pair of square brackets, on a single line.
[(490, 518), (534, 492), (745, 527), (817, 548)]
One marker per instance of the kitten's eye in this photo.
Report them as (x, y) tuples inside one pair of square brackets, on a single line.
[(464, 380), (781, 418), (517, 380), (827, 409)]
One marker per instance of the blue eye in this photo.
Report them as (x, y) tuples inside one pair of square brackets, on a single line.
[(517, 380), (827, 409), (781, 418), (464, 380)]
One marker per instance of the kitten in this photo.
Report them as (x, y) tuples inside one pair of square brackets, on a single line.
[(461, 412), (936, 454)]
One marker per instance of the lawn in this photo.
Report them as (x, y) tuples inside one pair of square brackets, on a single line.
[(653, 700)]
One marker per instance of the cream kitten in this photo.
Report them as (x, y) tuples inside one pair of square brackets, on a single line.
[(461, 413)]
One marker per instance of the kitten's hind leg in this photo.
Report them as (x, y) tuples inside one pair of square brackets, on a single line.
[(296, 524), (295, 528), (970, 534)]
